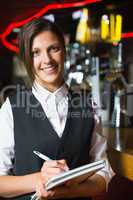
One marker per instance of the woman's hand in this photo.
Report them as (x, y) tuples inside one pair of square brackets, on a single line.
[(49, 170), (52, 168), (56, 193)]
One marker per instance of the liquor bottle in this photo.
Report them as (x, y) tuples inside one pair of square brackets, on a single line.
[(83, 30)]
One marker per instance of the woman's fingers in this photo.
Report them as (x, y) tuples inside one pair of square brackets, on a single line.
[(53, 168), (55, 164), (63, 164), (42, 192)]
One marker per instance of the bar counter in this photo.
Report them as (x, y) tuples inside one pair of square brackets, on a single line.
[(120, 150)]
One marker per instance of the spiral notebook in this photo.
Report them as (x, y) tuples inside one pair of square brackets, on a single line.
[(79, 174)]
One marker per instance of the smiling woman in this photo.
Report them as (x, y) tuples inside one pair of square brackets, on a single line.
[(49, 118)]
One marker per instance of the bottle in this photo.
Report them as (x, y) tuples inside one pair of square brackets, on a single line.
[(83, 30)]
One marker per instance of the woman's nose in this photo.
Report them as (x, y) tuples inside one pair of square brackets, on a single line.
[(46, 57)]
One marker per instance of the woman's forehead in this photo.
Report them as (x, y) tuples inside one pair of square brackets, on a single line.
[(45, 38)]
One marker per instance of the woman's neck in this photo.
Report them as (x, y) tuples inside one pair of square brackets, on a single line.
[(51, 87)]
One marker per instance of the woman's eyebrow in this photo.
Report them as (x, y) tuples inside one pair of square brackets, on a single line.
[(54, 45)]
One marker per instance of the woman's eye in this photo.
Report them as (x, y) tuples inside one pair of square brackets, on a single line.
[(55, 48), (35, 53)]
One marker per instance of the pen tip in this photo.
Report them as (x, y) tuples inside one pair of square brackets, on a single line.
[(35, 152)]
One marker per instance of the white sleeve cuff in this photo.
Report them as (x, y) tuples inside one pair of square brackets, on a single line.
[(106, 175)]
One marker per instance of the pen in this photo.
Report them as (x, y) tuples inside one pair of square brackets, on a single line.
[(42, 156)]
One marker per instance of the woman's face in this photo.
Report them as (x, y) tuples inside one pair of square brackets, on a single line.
[(48, 60)]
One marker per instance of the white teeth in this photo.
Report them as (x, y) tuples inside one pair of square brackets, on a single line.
[(53, 67), (48, 69)]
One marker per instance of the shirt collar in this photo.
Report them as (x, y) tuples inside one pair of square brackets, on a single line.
[(59, 94)]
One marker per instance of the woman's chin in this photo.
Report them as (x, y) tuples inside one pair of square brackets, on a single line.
[(52, 81)]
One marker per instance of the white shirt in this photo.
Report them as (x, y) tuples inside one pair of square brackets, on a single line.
[(55, 105)]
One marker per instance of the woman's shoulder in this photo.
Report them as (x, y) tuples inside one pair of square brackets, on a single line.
[(19, 92), (5, 110)]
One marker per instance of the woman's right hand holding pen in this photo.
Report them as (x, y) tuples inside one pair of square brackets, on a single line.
[(52, 168), (49, 169)]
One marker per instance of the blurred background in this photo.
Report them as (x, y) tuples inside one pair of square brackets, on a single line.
[(99, 45), (99, 59)]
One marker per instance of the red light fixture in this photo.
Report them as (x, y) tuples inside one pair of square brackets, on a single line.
[(45, 9), (53, 6)]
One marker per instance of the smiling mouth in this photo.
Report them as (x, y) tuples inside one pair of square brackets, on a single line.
[(50, 69)]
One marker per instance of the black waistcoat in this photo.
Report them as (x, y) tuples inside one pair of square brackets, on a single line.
[(33, 131)]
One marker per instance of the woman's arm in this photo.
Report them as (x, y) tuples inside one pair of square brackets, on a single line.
[(98, 151), (11, 186)]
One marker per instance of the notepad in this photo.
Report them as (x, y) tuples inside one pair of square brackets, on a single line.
[(79, 174)]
